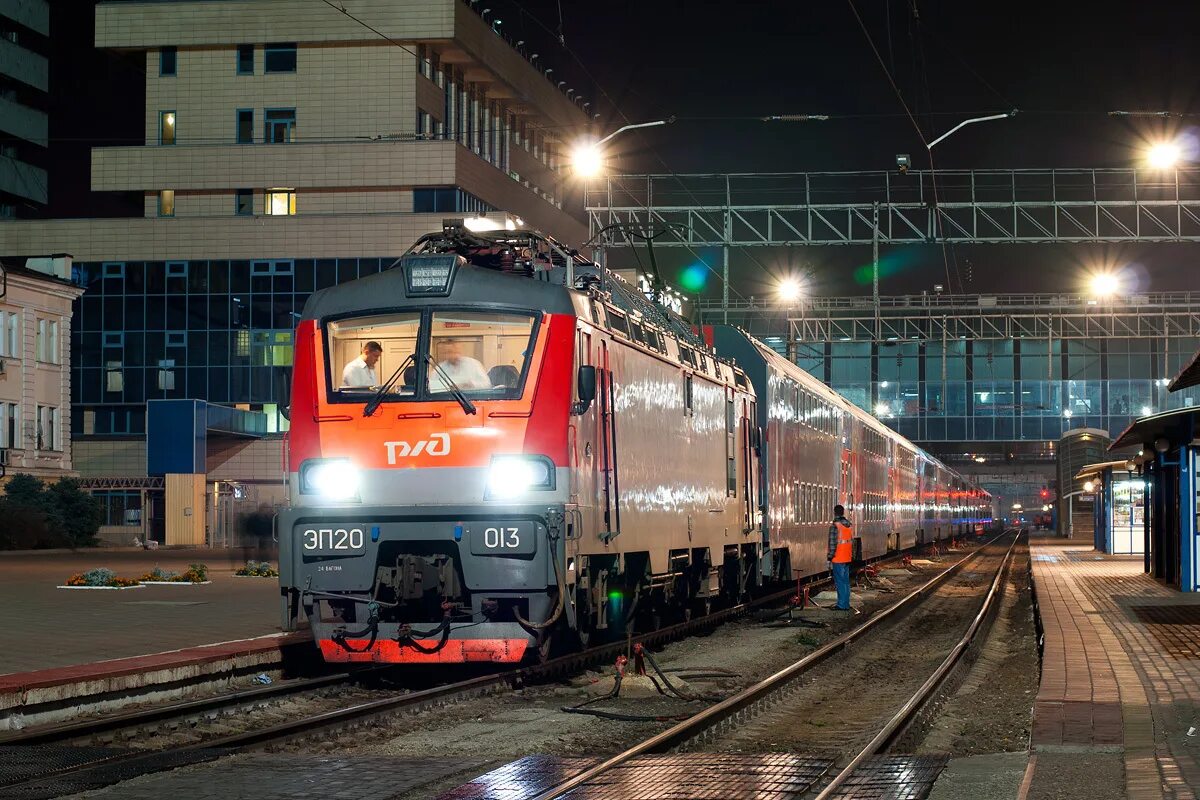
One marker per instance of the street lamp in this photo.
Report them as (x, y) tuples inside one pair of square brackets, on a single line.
[(1164, 155), (1105, 284), (587, 158), (789, 290)]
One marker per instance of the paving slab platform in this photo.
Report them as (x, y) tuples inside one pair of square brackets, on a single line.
[(66, 648), (1120, 675), (45, 627)]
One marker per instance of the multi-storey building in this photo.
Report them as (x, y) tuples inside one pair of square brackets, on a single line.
[(288, 147), (24, 81), (35, 368)]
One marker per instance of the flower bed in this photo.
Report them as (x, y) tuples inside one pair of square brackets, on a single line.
[(196, 575), (257, 569), (100, 578)]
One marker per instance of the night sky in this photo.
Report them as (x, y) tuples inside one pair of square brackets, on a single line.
[(717, 66)]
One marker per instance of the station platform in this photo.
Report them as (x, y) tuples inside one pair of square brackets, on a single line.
[(49, 628), (1120, 685)]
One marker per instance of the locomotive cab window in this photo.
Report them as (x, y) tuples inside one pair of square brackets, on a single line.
[(481, 353), (365, 351)]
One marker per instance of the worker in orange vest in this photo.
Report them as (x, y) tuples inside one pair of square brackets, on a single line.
[(841, 553)]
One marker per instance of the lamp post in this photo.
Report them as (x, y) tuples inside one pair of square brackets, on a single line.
[(587, 161)]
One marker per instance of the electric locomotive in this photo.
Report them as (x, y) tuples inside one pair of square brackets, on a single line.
[(545, 452)]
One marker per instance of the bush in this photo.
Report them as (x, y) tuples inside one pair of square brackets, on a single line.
[(40, 516), (101, 576), (258, 569)]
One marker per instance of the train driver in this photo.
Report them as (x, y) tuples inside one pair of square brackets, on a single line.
[(466, 372), (361, 372)]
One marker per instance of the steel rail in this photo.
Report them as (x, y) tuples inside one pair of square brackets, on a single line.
[(914, 704), (699, 723), (65, 731)]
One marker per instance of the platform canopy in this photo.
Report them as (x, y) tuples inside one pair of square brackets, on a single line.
[(1091, 471), (1176, 427), (1189, 376)]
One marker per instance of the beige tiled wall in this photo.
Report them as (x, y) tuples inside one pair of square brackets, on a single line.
[(255, 460), (341, 92)]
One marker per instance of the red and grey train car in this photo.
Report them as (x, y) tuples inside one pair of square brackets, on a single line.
[(549, 455)]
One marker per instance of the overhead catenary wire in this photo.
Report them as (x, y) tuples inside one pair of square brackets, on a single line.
[(916, 126)]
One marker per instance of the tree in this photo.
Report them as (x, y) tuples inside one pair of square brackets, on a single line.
[(39, 516), (79, 514)]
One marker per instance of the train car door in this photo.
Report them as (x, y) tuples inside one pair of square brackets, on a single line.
[(607, 423)]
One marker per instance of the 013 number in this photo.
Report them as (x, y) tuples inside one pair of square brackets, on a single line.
[(333, 539), (501, 538)]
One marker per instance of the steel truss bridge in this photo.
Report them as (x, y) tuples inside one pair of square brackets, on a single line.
[(934, 317), (860, 208)]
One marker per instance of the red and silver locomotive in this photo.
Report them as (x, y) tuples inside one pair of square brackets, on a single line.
[(533, 452)]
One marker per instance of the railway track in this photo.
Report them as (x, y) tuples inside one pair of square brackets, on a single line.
[(49, 761), (780, 701)]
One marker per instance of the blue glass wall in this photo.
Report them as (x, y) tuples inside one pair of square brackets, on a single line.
[(219, 331), (1002, 390)]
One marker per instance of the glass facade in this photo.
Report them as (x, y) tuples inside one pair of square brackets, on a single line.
[(1002, 390), (219, 331)]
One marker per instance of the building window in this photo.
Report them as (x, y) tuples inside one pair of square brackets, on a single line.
[(114, 269), (13, 333), (280, 125), (42, 343), (245, 125), (168, 61), (447, 199), (47, 428), (280, 267), (114, 339), (120, 507), (280, 202), (244, 203), (177, 269), (4, 339), (12, 426), (166, 203), (245, 59), (279, 58), (166, 127)]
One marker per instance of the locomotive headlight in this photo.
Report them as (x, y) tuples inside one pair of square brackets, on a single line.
[(513, 476), (333, 479)]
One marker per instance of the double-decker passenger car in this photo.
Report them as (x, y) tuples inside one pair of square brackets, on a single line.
[(544, 454)]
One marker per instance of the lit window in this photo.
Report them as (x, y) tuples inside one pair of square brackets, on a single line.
[(279, 125), (280, 202), (168, 61), (166, 127), (245, 59), (166, 203), (279, 58), (245, 125), (244, 203)]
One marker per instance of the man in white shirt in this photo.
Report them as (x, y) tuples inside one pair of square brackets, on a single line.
[(360, 372), (466, 372)]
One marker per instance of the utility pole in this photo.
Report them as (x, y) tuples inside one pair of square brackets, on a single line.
[(725, 256), (875, 255)]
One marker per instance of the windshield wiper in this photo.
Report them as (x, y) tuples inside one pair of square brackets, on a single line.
[(373, 404), (467, 405)]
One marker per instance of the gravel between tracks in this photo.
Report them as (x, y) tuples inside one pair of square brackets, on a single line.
[(992, 710), (838, 706)]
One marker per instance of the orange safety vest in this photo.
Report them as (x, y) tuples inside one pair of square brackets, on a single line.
[(844, 553)]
